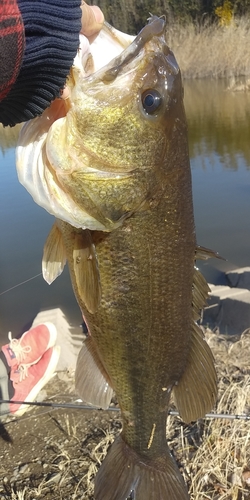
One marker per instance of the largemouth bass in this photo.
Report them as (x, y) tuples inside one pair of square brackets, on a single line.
[(112, 165)]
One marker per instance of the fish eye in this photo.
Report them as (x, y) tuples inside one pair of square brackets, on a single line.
[(151, 100)]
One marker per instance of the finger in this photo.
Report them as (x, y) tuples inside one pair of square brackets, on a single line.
[(92, 20), (65, 93)]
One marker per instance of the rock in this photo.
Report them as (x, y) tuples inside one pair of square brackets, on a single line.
[(228, 308), (239, 278), (23, 468)]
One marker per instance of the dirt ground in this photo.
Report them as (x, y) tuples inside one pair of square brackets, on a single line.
[(55, 453)]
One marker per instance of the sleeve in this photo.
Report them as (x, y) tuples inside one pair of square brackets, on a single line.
[(52, 30), (11, 45)]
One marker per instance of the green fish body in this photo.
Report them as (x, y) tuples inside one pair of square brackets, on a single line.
[(120, 158)]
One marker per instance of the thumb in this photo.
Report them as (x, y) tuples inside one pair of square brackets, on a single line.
[(92, 20)]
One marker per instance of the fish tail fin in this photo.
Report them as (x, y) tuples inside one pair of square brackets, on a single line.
[(123, 471)]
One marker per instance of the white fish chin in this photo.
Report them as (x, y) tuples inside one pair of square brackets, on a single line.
[(36, 177), (31, 160)]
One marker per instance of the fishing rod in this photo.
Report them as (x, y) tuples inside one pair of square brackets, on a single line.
[(19, 284), (79, 406)]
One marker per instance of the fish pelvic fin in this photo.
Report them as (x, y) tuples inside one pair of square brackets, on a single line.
[(196, 392), (86, 270), (54, 255), (123, 471), (91, 380)]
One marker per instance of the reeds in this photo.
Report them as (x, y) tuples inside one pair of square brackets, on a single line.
[(211, 51)]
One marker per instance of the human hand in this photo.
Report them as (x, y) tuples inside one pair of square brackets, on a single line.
[(92, 20)]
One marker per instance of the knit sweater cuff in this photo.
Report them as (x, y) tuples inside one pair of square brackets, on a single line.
[(52, 30)]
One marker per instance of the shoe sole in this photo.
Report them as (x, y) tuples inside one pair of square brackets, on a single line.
[(41, 383), (53, 334)]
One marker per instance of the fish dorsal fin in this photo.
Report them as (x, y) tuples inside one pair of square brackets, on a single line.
[(200, 293), (200, 287), (91, 380), (204, 253), (196, 392), (54, 255), (86, 270)]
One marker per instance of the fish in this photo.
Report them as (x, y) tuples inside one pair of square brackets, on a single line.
[(111, 163)]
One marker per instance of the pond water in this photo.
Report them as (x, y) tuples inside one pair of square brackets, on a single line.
[(219, 137)]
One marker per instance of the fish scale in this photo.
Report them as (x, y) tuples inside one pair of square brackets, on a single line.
[(156, 309), (125, 225)]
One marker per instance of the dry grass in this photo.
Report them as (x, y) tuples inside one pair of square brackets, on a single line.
[(216, 453), (210, 50), (213, 454)]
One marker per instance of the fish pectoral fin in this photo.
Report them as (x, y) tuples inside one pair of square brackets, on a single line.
[(196, 392), (86, 270), (91, 380), (54, 255), (124, 471)]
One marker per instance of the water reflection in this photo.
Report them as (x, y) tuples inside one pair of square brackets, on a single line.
[(218, 121)]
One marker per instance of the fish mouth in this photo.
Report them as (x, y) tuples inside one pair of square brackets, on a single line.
[(155, 27), (41, 164)]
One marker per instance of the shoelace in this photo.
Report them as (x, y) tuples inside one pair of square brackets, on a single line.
[(19, 350), (23, 372)]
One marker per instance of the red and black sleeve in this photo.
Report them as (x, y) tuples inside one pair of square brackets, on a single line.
[(11, 44), (52, 30)]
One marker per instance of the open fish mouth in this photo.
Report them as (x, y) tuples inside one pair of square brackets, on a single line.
[(53, 149)]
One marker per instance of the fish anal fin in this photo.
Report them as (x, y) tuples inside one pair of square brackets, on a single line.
[(124, 471), (196, 392), (91, 380), (86, 270), (54, 255)]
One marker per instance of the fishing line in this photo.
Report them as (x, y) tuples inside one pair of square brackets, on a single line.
[(79, 406), (22, 283)]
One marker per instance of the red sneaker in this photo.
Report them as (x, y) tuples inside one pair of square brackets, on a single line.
[(31, 346), (28, 381)]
